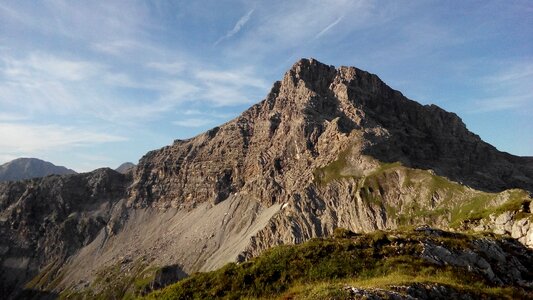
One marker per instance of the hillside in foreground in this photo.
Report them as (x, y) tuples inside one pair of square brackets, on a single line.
[(413, 264)]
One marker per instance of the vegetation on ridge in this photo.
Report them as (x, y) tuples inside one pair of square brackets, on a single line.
[(321, 268), (115, 282), (427, 198)]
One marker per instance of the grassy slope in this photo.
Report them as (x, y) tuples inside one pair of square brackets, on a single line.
[(320, 268), (115, 282), (429, 196)]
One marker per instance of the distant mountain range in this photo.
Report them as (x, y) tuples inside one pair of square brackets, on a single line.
[(26, 168), (125, 167)]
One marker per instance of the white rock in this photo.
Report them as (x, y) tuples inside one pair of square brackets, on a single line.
[(529, 237), (520, 228), (504, 218)]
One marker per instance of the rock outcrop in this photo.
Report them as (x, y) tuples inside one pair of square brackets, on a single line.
[(329, 147), (45, 221), (517, 224)]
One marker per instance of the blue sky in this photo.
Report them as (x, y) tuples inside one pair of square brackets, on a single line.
[(88, 84)]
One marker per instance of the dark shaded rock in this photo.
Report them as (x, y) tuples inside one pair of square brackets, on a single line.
[(44, 221), (167, 275)]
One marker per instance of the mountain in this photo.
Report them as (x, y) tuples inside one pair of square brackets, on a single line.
[(125, 167), (27, 168), (328, 148)]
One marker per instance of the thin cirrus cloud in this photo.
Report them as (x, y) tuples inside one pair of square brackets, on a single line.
[(29, 139), (509, 88), (59, 86), (193, 122), (47, 66), (238, 26), (290, 25), (45, 83), (220, 87), (172, 68), (328, 28)]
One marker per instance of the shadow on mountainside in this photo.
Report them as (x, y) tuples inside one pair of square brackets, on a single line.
[(30, 294), (459, 156), (397, 129)]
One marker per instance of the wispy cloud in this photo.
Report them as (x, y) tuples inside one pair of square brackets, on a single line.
[(212, 114), (517, 73), (11, 117), (49, 67), (509, 88), (192, 122), (58, 85), (506, 102), (171, 68), (244, 77), (291, 26), (327, 28), (45, 83), (238, 26), (18, 139), (117, 47)]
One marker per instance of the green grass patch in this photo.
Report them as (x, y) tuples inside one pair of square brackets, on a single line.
[(428, 198), (316, 269), (333, 171), (116, 282), (477, 208)]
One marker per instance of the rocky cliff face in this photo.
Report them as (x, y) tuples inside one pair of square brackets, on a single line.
[(320, 124), (329, 147), (310, 117), (45, 221)]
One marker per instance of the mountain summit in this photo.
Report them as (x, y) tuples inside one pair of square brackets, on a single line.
[(312, 115), (328, 148), (125, 167), (26, 168)]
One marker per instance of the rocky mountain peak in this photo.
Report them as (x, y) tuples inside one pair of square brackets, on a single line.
[(312, 115), (322, 79), (328, 147), (315, 75), (319, 93)]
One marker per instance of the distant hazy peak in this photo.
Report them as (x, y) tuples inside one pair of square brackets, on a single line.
[(125, 167), (27, 168)]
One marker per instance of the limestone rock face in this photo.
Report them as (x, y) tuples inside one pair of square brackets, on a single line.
[(321, 123), (328, 147), (44, 221), (518, 226), (315, 112)]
